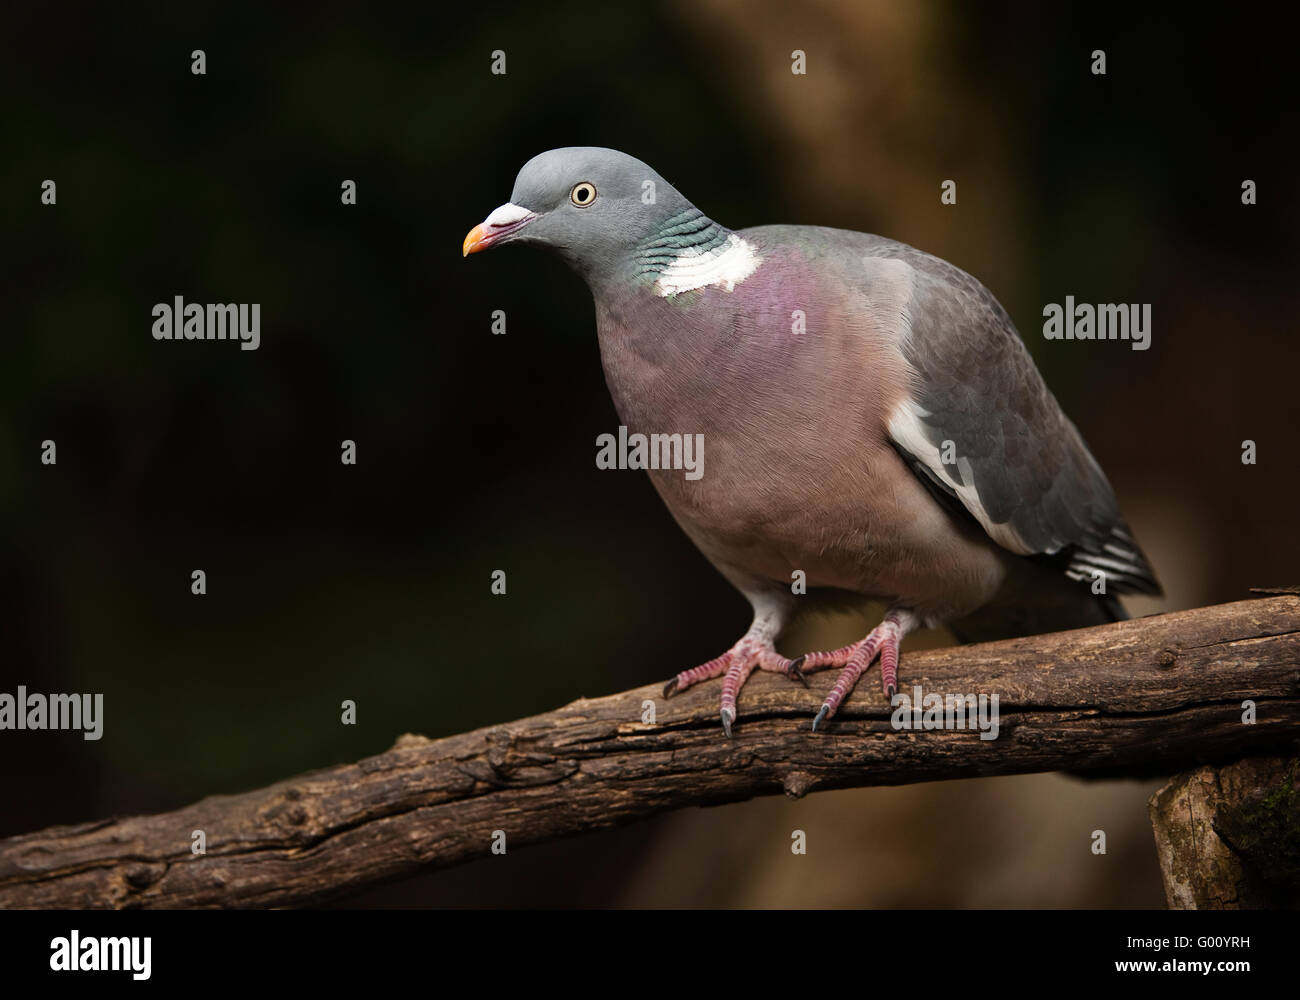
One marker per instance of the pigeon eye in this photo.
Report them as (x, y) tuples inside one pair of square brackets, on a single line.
[(583, 194)]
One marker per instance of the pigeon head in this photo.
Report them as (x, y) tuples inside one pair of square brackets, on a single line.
[(606, 213)]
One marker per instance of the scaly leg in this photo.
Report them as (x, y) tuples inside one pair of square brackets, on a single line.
[(883, 640), (755, 651)]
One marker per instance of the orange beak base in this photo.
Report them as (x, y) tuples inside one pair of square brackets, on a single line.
[(496, 227), (478, 239)]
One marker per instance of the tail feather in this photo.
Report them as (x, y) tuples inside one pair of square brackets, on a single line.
[(1118, 559), (1039, 599)]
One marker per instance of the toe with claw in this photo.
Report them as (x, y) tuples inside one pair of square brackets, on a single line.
[(883, 641), (757, 652), (754, 652)]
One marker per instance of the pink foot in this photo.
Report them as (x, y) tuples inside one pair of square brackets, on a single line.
[(749, 654), (854, 659)]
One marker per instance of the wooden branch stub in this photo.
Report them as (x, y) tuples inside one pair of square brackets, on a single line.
[(1160, 692), (1229, 838)]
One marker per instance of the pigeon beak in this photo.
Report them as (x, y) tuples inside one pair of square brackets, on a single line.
[(502, 223)]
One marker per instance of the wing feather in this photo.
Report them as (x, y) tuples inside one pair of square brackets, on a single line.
[(981, 424)]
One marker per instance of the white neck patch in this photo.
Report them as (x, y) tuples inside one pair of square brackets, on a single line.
[(727, 265)]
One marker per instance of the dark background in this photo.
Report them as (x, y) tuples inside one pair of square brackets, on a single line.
[(476, 452)]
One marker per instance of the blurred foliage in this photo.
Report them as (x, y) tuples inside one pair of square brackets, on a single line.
[(325, 582)]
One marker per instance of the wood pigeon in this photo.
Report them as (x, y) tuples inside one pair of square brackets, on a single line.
[(873, 424)]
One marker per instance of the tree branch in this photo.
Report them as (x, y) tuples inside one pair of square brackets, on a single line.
[(1158, 694)]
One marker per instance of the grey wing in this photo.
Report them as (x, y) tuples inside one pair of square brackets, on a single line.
[(982, 428)]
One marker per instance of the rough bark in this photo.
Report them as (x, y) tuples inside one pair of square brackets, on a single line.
[(1229, 838), (1163, 693)]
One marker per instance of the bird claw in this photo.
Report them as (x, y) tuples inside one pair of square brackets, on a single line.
[(670, 688), (794, 671), (728, 717), (826, 710)]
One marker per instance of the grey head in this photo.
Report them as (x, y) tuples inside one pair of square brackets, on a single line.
[(608, 214)]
